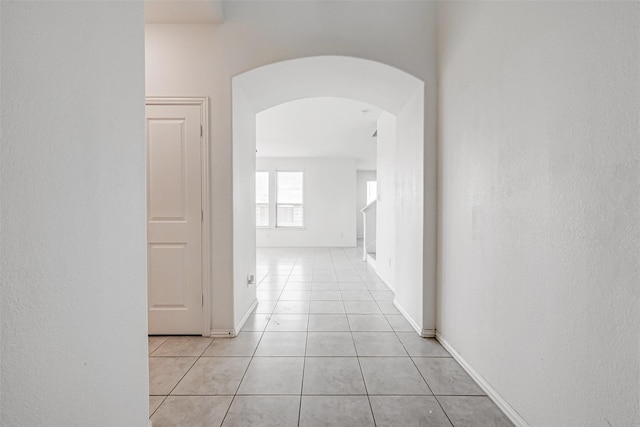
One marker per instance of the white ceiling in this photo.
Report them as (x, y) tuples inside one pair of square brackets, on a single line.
[(319, 127)]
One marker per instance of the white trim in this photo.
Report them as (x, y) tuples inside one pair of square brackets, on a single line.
[(206, 219), (372, 261), (221, 333), (424, 333), (245, 318), (428, 333), (205, 230), (413, 323), (504, 406), (391, 288)]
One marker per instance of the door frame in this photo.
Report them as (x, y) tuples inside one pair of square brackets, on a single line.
[(203, 103)]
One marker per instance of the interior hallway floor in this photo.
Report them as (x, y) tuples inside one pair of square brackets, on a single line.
[(324, 347)]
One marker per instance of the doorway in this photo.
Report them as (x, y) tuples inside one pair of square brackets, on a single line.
[(374, 83)]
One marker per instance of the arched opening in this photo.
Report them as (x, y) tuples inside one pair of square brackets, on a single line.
[(401, 261)]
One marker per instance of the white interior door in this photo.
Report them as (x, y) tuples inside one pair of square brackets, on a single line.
[(174, 219)]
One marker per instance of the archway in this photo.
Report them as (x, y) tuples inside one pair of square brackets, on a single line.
[(393, 90)]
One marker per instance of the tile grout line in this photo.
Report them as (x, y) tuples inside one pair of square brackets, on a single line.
[(185, 374), (246, 369), (364, 274), (360, 365), (158, 407), (304, 366), (304, 362), (423, 378), (366, 390), (338, 282)]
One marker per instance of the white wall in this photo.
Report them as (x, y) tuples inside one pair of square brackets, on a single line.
[(540, 224), (73, 250), (386, 209), (361, 197), (197, 60), (243, 222), (413, 297), (329, 203), (401, 215)]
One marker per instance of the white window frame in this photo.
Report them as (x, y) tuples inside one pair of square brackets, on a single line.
[(301, 226)]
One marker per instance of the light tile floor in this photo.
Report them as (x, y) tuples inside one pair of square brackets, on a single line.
[(324, 347)]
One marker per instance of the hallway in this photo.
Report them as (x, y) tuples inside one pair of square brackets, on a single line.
[(324, 347)]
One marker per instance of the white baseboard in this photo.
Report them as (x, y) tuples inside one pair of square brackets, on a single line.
[(239, 326), (371, 260), (508, 410), (222, 333), (428, 333), (413, 323), (425, 333), (391, 288)]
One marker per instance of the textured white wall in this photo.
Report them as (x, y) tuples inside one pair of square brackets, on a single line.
[(540, 238), (411, 229), (243, 223), (73, 250), (197, 60), (386, 209), (329, 203), (361, 197)]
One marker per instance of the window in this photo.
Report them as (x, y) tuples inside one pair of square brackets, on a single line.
[(262, 199), (372, 191), (289, 197)]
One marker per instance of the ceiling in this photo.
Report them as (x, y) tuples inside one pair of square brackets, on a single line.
[(319, 127)]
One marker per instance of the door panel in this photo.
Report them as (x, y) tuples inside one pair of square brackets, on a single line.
[(169, 276), (174, 212), (167, 170)]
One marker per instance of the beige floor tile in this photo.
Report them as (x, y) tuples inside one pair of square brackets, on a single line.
[(473, 411), (418, 346), (242, 345), (256, 322), (273, 375), (288, 322), (392, 376), (361, 307), (378, 344), (328, 322), (263, 411), (292, 307), (154, 403), (332, 376), (182, 346), (213, 376), (165, 372), (399, 323), (392, 411), (282, 344), (335, 411), (326, 307), (446, 377), (154, 342), (191, 411), (369, 323)]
